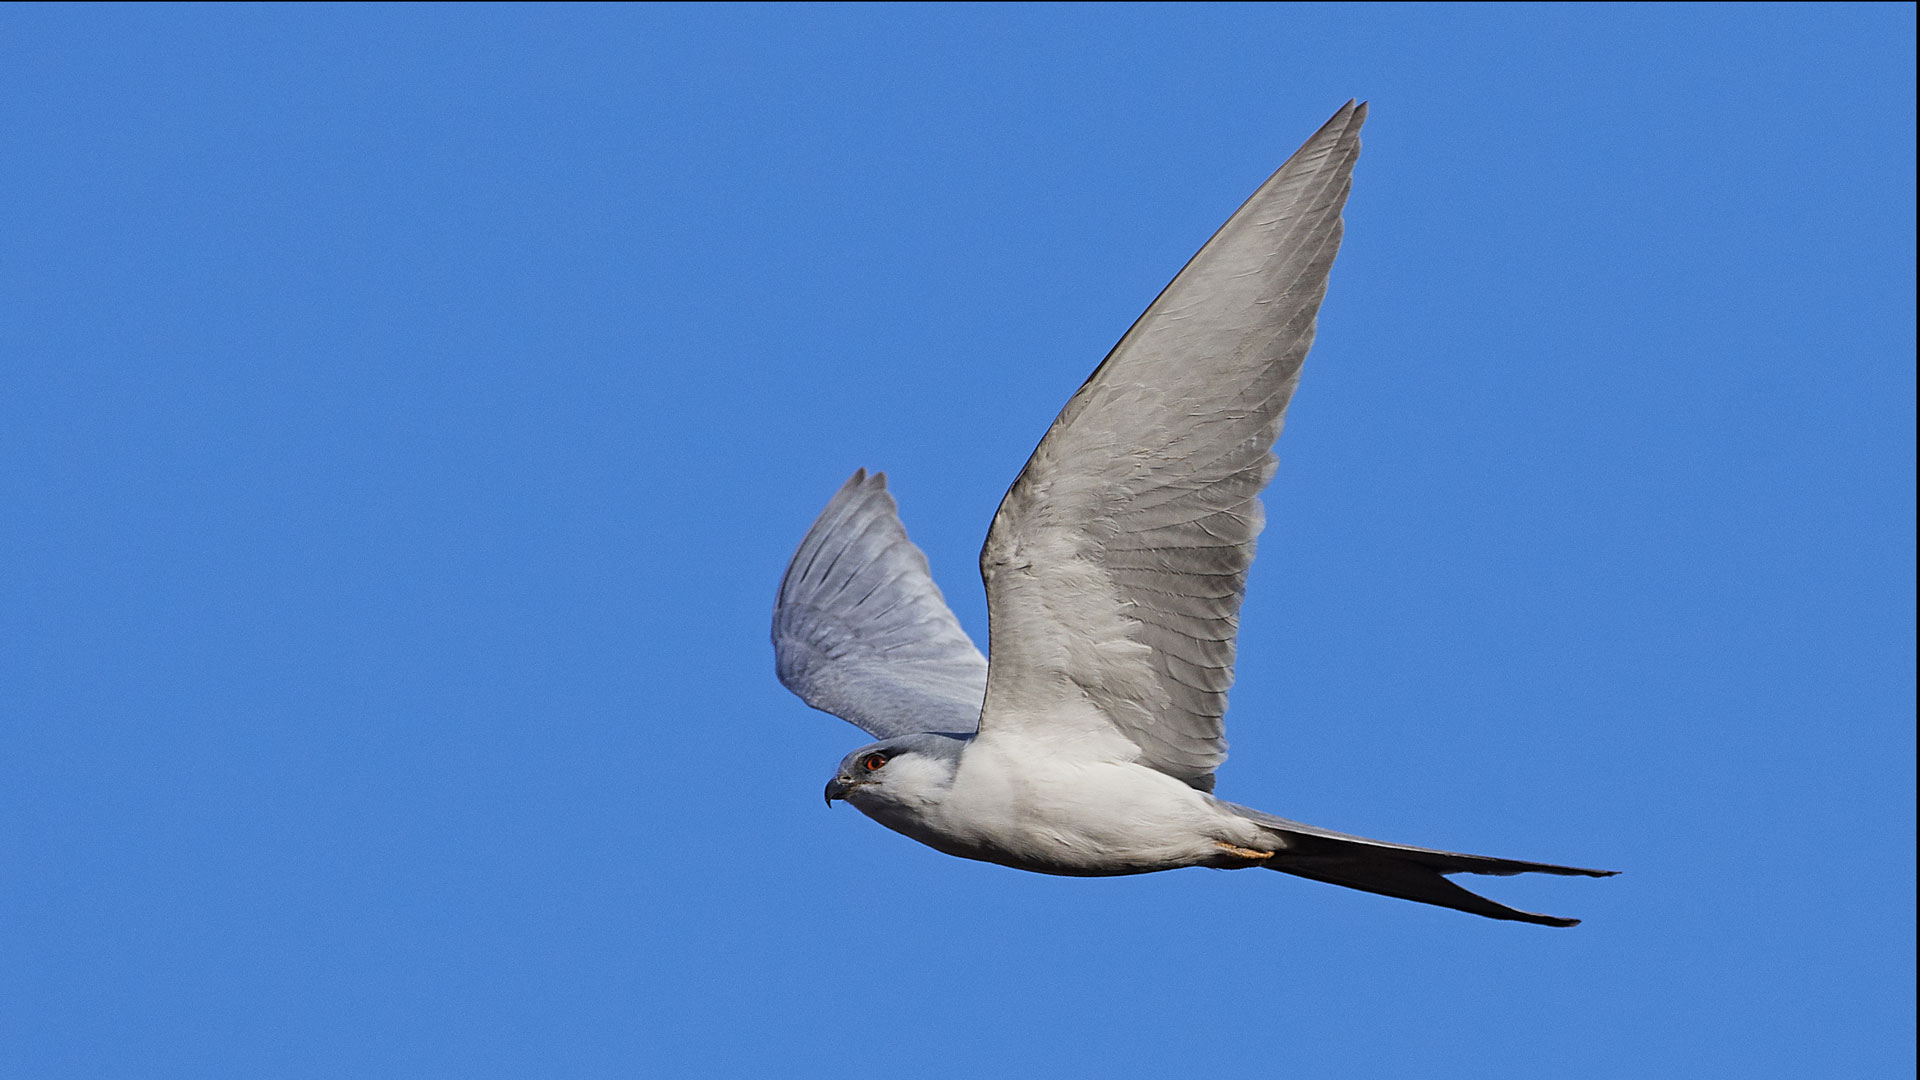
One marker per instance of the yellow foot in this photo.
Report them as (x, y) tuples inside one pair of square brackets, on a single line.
[(1245, 853)]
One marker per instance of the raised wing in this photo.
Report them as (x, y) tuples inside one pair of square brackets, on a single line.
[(861, 631), (1116, 563)]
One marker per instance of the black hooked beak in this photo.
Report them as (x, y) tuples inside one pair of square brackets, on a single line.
[(837, 789)]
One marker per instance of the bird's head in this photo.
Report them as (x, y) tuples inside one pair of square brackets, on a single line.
[(904, 770)]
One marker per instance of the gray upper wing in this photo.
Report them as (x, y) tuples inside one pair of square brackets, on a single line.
[(861, 631), (1116, 564)]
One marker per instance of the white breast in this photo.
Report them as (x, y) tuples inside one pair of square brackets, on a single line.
[(1014, 802)]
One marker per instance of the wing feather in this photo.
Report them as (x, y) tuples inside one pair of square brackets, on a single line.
[(861, 631), (1116, 564)]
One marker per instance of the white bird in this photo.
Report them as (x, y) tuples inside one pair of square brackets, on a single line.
[(1114, 570)]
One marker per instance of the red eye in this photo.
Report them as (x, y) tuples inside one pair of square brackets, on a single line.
[(873, 761)]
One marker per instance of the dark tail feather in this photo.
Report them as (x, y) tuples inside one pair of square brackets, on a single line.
[(1405, 881), (1399, 870)]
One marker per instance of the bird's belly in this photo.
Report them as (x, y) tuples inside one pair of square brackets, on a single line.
[(1087, 820)]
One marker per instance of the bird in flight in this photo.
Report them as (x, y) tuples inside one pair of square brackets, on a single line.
[(1114, 568)]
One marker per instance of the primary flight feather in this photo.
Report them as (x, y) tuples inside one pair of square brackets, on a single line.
[(1115, 569)]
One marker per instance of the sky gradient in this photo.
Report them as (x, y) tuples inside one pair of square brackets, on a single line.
[(406, 415)]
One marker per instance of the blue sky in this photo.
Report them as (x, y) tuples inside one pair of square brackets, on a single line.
[(406, 414)]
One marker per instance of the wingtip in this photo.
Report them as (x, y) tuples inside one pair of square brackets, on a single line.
[(1345, 122), (862, 478)]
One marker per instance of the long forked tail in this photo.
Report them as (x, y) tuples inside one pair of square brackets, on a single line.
[(1399, 870)]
